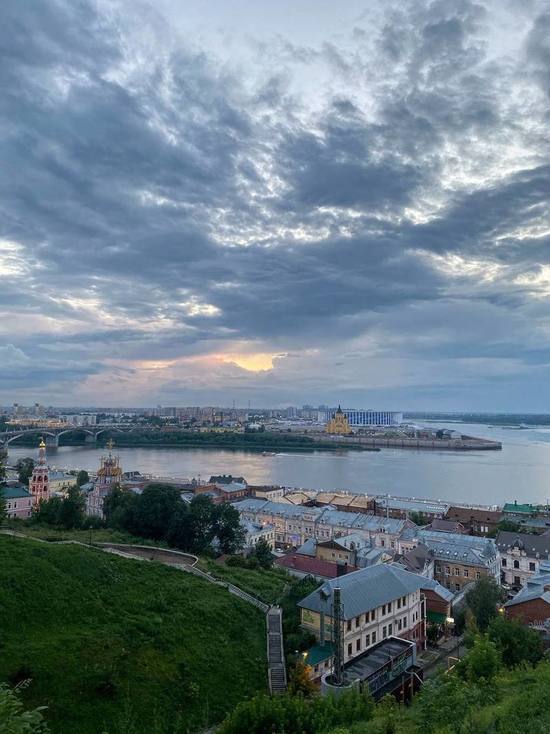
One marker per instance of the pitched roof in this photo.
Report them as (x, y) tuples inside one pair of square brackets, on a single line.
[(14, 493), (364, 590), (465, 514), (312, 566), (533, 545), (514, 508), (461, 548), (537, 587)]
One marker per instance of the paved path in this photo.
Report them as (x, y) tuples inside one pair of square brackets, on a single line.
[(187, 562)]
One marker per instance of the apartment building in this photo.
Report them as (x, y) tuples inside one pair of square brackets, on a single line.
[(378, 602), (294, 524), (521, 555), (460, 559)]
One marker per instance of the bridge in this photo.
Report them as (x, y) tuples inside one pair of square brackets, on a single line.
[(51, 435)]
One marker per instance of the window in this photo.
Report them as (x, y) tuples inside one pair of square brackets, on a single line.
[(457, 571), (465, 573), (350, 649), (357, 621), (389, 607), (382, 543), (517, 581), (404, 600), (504, 562), (447, 570), (404, 623), (373, 615), (384, 632), (367, 640), (358, 644), (457, 587), (390, 629), (478, 575), (516, 564), (348, 625), (399, 603), (373, 637), (383, 609), (531, 566)]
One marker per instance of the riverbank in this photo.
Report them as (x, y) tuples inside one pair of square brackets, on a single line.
[(466, 443)]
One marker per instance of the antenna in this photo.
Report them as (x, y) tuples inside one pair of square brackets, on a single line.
[(338, 638)]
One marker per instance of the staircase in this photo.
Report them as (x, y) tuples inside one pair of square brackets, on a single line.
[(275, 654)]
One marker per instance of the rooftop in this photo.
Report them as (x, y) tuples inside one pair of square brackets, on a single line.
[(313, 566), (412, 505), (537, 587), (367, 589), (14, 493), (533, 545), (514, 508)]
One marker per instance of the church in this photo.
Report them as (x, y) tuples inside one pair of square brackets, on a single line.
[(338, 425)]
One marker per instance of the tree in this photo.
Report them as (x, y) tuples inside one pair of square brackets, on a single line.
[(13, 717), (418, 518), (201, 523), (71, 510), (48, 511), (227, 528), (516, 642), (119, 509), (262, 553), (3, 457), (483, 599), (483, 661), (24, 468), (180, 530), (154, 510), (300, 681), (82, 478), (3, 510)]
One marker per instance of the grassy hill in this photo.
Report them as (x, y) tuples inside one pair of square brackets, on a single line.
[(123, 646)]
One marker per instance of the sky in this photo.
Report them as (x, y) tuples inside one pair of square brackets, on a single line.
[(288, 202)]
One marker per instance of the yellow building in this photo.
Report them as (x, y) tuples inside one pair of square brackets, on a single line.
[(338, 425)]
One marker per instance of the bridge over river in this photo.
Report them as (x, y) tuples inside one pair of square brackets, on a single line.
[(51, 434)]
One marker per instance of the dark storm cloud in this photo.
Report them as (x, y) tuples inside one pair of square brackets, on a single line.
[(146, 185)]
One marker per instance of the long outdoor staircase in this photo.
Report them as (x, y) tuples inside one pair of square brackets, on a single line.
[(275, 654)]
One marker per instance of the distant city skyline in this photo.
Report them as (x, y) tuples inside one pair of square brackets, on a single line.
[(282, 203)]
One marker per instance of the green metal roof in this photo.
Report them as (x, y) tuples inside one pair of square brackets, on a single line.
[(514, 507), (436, 617), (14, 493), (318, 653)]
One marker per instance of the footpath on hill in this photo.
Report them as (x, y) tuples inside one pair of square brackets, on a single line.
[(187, 562)]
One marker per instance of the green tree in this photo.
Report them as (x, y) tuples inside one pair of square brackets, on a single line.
[(483, 600), (13, 717), (300, 681), (262, 553), (155, 509), (180, 530), (516, 642), (418, 518), (24, 468), (71, 510), (3, 510), (202, 529), (48, 512), (82, 478), (483, 661), (227, 528), (3, 458), (119, 508)]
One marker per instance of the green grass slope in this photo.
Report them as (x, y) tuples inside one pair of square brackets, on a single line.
[(123, 646)]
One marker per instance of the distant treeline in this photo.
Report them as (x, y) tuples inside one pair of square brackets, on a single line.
[(496, 419)]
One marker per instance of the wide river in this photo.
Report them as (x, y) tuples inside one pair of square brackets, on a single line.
[(520, 471)]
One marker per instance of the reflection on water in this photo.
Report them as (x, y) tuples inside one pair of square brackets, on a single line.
[(520, 471)]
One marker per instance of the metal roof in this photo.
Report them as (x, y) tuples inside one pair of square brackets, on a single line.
[(533, 545), (367, 589), (536, 588), (14, 493)]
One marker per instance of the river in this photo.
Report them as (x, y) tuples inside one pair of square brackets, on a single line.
[(520, 471)]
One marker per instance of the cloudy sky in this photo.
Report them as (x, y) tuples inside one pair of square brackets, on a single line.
[(282, 202)]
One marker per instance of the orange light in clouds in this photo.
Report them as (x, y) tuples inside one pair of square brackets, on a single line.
[(251, 362)]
